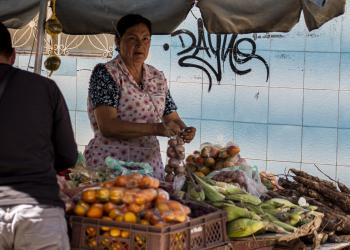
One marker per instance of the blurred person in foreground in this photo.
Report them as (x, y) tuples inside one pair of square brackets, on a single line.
[(36, 142)]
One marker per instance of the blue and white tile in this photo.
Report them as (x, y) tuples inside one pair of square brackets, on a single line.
[(188, 98), (320, 108), (286, 106), (160, 59), (258, 73), (216, 132), (218, 104), (68, 66), (196, 142), (252, 139), (84, 132), (330, 170), (326, 38), (284, 143), (220, 68), (322, 70), (345, 71), (343, 157), (281, 168), (185, 74), (344, 109), (82, 92), (287, 69), (345, 42), (68, 87), (343, 173), (294, 40), (259, 164), (251, 104), (319, 145)]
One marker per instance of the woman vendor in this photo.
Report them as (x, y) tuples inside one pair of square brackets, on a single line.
[(129, 103)]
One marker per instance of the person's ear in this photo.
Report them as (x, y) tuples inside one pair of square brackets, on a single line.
[(13, 57)]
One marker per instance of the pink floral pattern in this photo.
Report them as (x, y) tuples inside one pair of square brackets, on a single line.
[(135, 105)]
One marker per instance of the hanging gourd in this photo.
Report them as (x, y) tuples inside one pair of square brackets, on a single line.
[(53, 27)]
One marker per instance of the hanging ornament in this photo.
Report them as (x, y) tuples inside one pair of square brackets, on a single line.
[(53, 27), (52, 63)]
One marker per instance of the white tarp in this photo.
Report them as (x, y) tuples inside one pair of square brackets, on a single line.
[(252, 16), (98, 16)]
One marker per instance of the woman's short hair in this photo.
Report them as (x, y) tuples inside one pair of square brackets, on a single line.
[(130, 20), (5, 41)]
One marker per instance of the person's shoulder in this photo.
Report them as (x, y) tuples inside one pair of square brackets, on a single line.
[(154, 71), (99, 67), (34, 78)]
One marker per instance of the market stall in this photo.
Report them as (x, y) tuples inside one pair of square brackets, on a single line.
[(213, 198)]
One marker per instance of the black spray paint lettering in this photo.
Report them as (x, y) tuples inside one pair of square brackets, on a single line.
[(226, 46)]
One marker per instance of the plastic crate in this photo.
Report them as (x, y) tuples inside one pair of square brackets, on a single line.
[(205, 230)]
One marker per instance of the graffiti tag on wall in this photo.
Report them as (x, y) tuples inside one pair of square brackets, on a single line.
[(225, 48)]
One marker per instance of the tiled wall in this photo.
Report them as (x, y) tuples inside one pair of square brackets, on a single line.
[(300, 116)]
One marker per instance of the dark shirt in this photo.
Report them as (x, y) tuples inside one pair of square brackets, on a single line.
[(104, 91), (36, 139)]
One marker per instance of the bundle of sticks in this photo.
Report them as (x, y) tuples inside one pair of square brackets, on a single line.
[(331, 197)]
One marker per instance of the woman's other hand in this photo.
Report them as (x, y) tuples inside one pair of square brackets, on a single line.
[(188, 134)]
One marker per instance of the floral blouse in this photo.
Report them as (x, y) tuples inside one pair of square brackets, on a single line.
[(104, 91)]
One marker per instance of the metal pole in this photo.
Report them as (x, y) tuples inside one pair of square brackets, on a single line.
[(40, 36)]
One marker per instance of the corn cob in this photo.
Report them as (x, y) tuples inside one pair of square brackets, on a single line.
[(277, 203), (211, 193), (235, 212), (279, 223), (226, 188), (265, 215), (244, 198), (244, 227), (221, 204), (197, 195), (295, 219)]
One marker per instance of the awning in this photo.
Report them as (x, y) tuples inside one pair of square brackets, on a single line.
[(222, 16), (252, 16)]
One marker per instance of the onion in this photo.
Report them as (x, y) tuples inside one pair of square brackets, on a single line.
[(180, 141), (180, 148), (180, 170), (172, 142), (173, 162)]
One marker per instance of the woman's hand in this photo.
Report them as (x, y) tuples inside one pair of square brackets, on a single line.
[(170, 129), (188, 134)]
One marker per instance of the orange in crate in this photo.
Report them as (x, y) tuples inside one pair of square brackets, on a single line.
[(108, 207), (102, 194), (95, 211), (119, 218), (106, 218), (92, 243), (115, 232), (136, 208), (114, 213), (81, 208), (130, 217), (89, 195), (116, 194), (91, 231), (121, 181), (125, 234)]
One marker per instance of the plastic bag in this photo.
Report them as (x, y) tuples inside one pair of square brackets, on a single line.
[(247, 178), (179, 182), (125, 168)]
